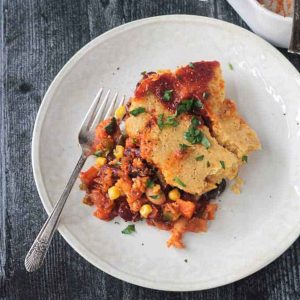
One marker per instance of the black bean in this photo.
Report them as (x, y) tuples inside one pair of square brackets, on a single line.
[(213, 194), (124, 211)]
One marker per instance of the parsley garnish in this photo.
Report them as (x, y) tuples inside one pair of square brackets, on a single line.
[(137, 111), (167, 95), (176, 179), (143, 73), (160, 121), (222, 164), (199, 158), (149, 183), (205, 142), (245, 158), (111, 127), (187, 106), (98, 153), (195, 122), (129, 229), (195, 135), (170, 121), (191, 65), (154, 196), (183, 147), (230, 66), (208, 164)]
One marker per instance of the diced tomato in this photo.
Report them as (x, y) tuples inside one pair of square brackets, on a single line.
[(197, 225), (88, 176), (211, 209), (103, 214), (187, 208)]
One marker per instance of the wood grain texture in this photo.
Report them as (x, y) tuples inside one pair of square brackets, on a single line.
[(37, 37)]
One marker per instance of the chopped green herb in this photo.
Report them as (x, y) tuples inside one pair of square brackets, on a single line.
[(117, 164), (171, 121), (134, 141), (222, 164), (143, 73), (129, 229), (187, 106), (183, 147), (137, 111), (208, 164), (196, 136), (199, 158), (198, 104), (111, 127), (230, 66), (167, 95), (149, 183), (176, 179), (160, 121), (245, 158), (205, 142), (98, 153), (195, 122), (191, 65), (193, 135), (154, 196), (205, 95)]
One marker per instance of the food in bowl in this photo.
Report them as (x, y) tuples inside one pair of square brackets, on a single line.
[(182, 140), (281, 7)]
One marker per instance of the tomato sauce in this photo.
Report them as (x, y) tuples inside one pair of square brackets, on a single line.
[(188, 82)]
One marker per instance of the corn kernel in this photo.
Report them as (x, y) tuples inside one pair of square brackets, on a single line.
[(119, 151), (120, 112), (114, 193), (100, 161), (145, 210), (174, 194)]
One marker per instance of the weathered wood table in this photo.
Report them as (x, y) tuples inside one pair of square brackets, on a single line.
[(37, 38)]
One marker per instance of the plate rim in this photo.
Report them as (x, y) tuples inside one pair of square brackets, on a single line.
[(66, 234)]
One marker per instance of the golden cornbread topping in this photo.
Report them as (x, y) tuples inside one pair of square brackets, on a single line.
[(182, 139)]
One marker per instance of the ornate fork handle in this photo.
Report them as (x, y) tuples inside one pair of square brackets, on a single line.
[(35, 257), (295, 38)]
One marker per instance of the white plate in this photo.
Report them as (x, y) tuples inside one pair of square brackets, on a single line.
[(250, 230)]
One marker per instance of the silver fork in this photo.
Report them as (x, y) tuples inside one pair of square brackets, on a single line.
[(35, 256)]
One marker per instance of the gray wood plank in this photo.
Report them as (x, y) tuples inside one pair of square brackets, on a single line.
[(36, 39)]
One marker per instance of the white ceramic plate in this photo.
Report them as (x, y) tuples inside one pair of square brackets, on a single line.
[(250, 230)]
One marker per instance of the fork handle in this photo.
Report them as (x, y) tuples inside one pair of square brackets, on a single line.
[(295, 38), (35, 256)]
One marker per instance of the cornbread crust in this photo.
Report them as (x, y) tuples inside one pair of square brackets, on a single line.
[(230, 136)]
